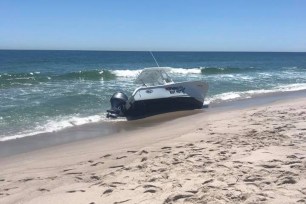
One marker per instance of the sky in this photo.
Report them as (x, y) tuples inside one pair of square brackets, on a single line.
[(157, 25)]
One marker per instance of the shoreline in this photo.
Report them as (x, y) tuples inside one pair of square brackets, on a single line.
[(245, 155), (112, 128)]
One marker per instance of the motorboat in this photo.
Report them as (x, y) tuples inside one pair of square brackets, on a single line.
[(157, 93)]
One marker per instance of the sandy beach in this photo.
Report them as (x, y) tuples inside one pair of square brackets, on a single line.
[(251, 155)]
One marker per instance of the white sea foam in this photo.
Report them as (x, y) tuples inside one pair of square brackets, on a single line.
[(248, 94), (185, 71), (245, 77), (126, 73), (292, 87), (290, 68), (56, 125), (265, 74), (223, 97)]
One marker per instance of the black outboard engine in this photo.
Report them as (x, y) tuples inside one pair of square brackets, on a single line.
[(118, 101)]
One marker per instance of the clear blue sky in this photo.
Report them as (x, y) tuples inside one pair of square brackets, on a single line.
[(186, 25)]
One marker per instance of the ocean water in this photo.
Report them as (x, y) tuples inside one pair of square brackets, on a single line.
[(46, 91)]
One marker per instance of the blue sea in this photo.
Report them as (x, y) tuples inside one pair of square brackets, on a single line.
[(47, 91)]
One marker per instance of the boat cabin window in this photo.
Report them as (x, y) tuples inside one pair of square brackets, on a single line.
[(153, 77)]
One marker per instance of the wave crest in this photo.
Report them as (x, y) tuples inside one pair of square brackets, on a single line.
[(221, 70), (88, 75), (31, 78), (228, 96)]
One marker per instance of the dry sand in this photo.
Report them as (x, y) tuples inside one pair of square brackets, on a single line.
[(254, 155)]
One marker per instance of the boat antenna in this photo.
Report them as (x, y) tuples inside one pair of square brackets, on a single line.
[(154, 59)]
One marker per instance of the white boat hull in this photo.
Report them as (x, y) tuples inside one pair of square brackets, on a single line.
[(158, 94), (166, 98)]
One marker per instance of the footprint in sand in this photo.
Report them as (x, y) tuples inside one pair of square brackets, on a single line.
[(67, 170), (8, 189), (73, 173), (97, 163), (78, 178), (193, 191), (252, 179), (108, 191), (166, 148), (223, 152), (105, 156), (174, 198), (192, 155), (207, 181), (198, 149), (292, 162), (152, 179), (143, 152), (286, 180), (74, 191), (121, 157), (119, 202), (26, 179), (144, 159), (189, 145), (176, 162), (117, 166), (95, 177), (269, 166), (43, 190), (131, 151), (150, 191), (51, 177)]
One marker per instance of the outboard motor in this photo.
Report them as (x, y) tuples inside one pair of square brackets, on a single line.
[(118, 101)]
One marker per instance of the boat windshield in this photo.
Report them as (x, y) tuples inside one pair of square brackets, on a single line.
[(153, 76)]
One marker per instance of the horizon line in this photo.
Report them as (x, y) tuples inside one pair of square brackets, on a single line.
[(93, 50)]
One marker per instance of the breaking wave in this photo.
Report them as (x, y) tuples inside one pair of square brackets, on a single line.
[(8, 80), (88, 75), (186, 71), (227, 96), (223, 70), (15, 79)]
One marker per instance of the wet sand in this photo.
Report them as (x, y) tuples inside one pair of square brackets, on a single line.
[(250, 155)]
